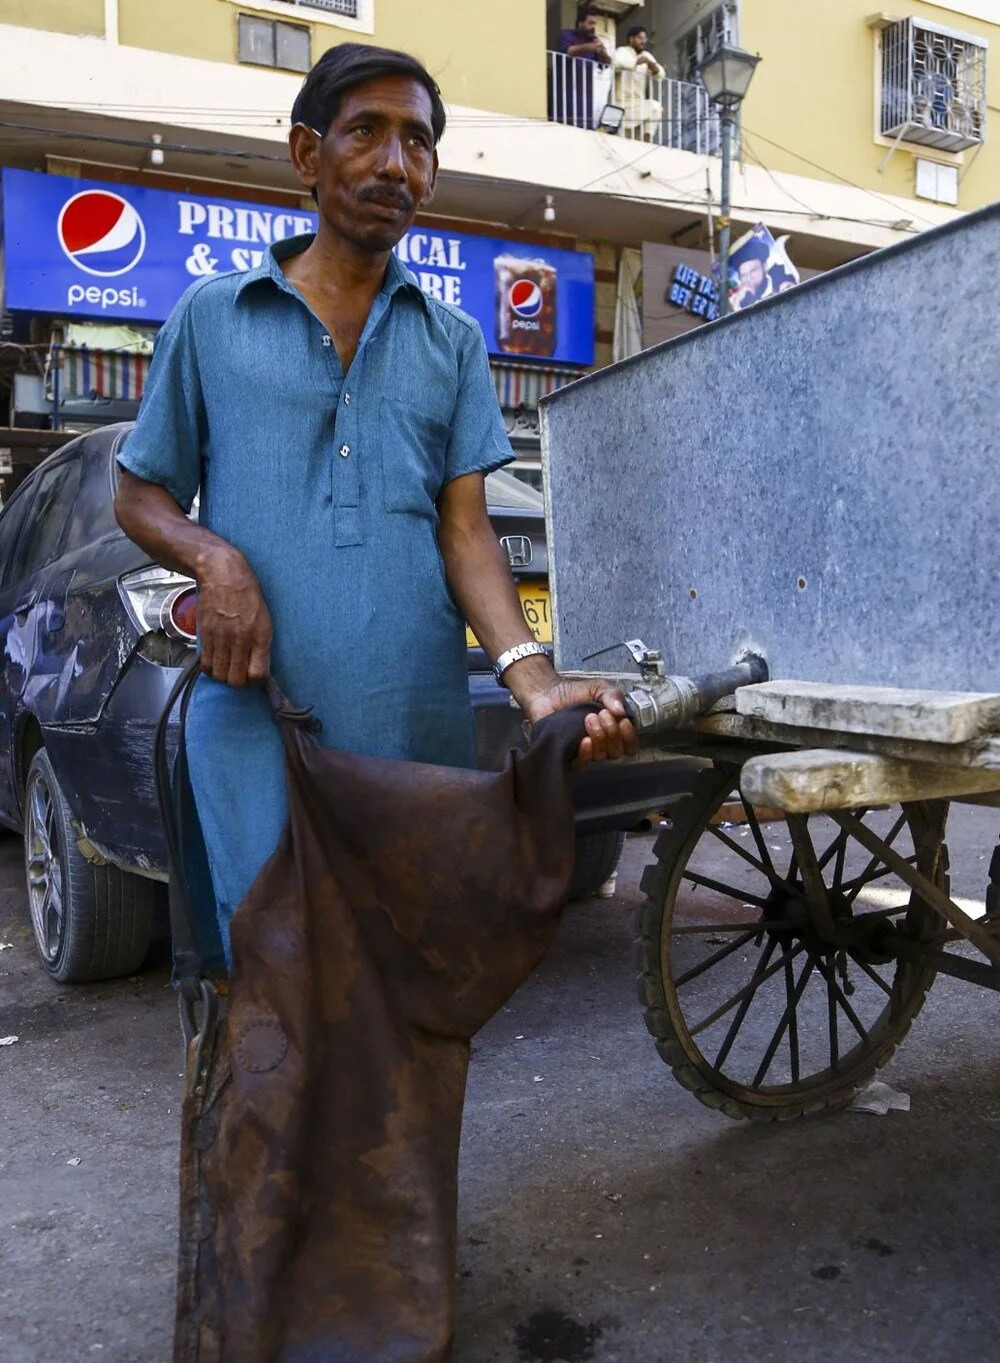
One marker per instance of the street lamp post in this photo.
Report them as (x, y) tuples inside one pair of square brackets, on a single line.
[(726, 74)]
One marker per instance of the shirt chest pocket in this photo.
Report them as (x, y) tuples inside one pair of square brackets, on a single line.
[(413, 446)]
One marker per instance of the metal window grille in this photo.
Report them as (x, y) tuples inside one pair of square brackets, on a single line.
[(349, 8), (933, 86)]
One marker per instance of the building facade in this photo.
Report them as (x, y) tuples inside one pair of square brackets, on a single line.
[(860, 129)]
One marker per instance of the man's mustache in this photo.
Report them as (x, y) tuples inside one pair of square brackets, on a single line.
[(393, 198)]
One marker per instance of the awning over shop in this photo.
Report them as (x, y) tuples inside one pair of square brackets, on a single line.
[(521, 385), (100, 361)]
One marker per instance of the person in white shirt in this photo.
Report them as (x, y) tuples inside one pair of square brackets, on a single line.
[(634, 70)]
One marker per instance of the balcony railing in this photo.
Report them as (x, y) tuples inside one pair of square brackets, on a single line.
[(669, 113)]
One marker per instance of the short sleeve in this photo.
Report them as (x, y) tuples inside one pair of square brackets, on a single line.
[(478, 441), (165, 445)]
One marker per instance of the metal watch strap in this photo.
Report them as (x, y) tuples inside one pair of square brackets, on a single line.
[(514, 655)]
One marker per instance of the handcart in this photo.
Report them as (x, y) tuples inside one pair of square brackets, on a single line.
[(798, 509)]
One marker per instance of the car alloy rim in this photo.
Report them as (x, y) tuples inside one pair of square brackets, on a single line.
[(44, 869)]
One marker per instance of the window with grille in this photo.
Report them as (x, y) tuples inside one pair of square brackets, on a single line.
[(269, 42), (695, 124), (349, 8), (718, 26), (933, 85)]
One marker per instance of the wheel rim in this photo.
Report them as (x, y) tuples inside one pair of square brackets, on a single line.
[(768, 1011), (43, 868)]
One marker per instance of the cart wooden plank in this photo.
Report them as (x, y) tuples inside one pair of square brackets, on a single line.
[(816, 779), (981, 753), (889, 711)]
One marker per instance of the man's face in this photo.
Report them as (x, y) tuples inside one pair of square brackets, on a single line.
[(588, 26), (752, 275), (376, 165), (639, 40)]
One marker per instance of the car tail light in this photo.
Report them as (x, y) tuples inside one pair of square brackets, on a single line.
[(182, 614), (161, 601)]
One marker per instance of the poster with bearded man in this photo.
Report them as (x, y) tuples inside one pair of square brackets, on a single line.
[(759, 267)]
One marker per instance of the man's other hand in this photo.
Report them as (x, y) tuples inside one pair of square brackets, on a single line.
[(609, 734), (233, 622)]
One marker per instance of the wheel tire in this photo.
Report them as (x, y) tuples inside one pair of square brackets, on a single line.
[(90, 922), (660, 882), (597, 858)]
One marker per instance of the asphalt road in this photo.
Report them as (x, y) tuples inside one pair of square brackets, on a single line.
[(606, 1215)]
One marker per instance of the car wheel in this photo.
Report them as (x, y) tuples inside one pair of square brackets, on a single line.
[(90, 922), (597, 856)]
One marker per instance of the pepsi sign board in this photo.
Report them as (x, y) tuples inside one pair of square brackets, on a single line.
[(88, 249)]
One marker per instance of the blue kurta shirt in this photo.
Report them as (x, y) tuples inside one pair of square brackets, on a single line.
[(328, 485)]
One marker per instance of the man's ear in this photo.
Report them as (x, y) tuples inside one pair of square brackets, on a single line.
[(303, 148), (430, 193)]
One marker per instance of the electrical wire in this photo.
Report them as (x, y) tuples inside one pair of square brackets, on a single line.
[(683, 200), (835, 175), (145, 144)]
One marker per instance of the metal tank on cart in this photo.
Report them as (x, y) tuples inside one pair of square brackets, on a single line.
[(806, 491)]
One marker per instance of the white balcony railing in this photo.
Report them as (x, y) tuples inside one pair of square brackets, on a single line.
[(670, 113)]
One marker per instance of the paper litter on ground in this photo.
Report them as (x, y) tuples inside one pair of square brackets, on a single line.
[(878, 1097)]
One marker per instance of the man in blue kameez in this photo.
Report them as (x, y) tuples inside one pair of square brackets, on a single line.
[(337, 426)]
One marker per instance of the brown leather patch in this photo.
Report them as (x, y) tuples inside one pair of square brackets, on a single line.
[(261, 1046), (402, 908)]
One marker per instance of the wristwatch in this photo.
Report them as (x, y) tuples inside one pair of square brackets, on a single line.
[(514, 655)]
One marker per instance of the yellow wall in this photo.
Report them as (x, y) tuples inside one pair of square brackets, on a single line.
[(59, 16), (456, 39), (814, 94)]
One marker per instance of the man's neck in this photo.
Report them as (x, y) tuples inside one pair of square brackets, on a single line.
[(333, 264)]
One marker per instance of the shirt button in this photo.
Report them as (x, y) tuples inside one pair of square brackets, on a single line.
[(328, 340), (344, 451), (347, 399)]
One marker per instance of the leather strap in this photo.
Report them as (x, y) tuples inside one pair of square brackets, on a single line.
[(189, 967)]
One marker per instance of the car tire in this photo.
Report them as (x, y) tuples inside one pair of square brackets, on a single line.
[(597, 857), (91, 922)]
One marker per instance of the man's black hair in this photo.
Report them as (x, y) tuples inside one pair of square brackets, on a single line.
[(585, 11), (348, 65), (636, 30)]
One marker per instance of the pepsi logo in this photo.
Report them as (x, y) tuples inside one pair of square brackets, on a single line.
[(526, 298), (101, 233)]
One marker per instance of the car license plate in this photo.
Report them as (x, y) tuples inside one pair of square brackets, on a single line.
[(537, 614)]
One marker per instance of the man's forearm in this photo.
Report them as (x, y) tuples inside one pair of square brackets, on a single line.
[(154, 521), (481, 581), (233, 621)]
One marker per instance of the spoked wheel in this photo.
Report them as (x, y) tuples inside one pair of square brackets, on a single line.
[(774, 991), (43, 867)]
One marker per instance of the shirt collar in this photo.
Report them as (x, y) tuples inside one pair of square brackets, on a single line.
[(397, 276)]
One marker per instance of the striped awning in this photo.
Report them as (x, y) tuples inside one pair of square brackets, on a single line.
[(100, 359), (102, 373), (521, 385)]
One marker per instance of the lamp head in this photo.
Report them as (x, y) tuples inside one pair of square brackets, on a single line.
[(726, 74)]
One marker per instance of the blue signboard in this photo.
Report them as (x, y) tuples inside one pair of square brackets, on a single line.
[(88, 249)]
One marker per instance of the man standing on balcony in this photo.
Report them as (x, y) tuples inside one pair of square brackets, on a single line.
[(579, 85), (635, 70)]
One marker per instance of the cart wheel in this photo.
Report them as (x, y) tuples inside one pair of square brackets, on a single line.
[(752, 1007)]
